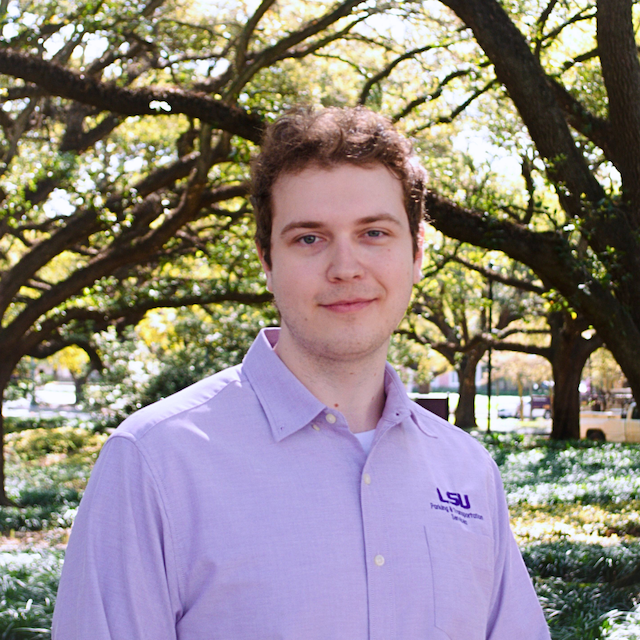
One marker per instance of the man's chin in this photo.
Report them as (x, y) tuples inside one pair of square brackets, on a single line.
[(349, 348)]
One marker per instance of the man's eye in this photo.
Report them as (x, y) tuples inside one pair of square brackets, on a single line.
[(310, 239), (375, 233)]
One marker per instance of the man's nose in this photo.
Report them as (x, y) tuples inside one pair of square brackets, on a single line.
[(345, 263)]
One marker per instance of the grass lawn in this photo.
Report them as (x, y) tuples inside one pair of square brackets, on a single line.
[(575, 510)]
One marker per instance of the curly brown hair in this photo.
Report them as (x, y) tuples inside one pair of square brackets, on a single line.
[(328, 138)]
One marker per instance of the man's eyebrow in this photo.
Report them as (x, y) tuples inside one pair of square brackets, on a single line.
[(302, 224), (380, 217), (312, 224)]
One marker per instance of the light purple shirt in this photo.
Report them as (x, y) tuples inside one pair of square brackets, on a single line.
[(242, 508)]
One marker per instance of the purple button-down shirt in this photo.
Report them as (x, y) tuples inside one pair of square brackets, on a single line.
[(242, 508)]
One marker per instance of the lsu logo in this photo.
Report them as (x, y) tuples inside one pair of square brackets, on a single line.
[(455, 499)]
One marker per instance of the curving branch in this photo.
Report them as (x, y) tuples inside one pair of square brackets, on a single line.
[(386, 72), (516, 283), (271, 54), (621, 72), (60, 81), (550, 256), (520, 72), (129, 315), (247, 32), (598, 130)]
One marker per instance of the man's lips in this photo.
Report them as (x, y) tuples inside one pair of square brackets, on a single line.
[(346, 306)]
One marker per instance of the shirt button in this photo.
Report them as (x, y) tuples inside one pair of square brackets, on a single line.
[(316, 427), (367, 478), (330, 418), (379, 560)]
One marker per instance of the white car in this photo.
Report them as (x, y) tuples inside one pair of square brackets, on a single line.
[(539, 408)]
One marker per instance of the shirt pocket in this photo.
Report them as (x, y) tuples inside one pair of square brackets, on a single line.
[(462, 574)]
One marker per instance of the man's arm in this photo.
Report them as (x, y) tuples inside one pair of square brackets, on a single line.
[(119, 579), (515, 610)]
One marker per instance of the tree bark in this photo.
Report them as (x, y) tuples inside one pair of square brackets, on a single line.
[(551, 258), (6, 369), (568, 355), (60, 81), (465, 415), (618, 54)]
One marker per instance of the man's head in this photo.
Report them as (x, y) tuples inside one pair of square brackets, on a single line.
[(326, 139)]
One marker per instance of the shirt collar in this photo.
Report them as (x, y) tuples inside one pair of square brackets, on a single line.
[(287, 403), (399, 405), (290, 406)]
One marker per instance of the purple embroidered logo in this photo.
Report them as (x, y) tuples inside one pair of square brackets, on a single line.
[(455, 499)]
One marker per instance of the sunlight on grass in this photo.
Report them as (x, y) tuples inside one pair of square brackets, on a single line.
[(602, 524)]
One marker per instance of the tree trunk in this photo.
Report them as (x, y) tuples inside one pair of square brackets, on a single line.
[(465, 416), (6, 369), (566, 398), (569, 354)]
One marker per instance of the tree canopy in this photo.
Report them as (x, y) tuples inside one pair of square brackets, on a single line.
[(569, 75), (127, 131)]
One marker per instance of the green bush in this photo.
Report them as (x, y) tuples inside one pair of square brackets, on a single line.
[(574, 582), (28, 586), (47, 489), (13, 424), (38, 442)]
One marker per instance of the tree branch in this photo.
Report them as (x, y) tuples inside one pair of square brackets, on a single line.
[(520, 72), (599, 131), (550, 256), (58, 80), (621, 72), (273, 53), (386, 72)]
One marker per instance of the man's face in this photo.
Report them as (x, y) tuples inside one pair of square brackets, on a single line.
[(342, 260)]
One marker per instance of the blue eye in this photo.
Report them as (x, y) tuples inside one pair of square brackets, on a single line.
[(309, 239), (375, 233)]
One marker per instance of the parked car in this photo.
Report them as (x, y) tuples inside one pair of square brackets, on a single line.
[(611, 426), (537, 406)]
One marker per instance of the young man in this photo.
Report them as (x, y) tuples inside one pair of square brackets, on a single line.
[(302, 495)]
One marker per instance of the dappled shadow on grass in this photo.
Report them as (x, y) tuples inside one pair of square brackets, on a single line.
[(576, 585), (28, 586), (47, 472), (575, 510), (48, 496)]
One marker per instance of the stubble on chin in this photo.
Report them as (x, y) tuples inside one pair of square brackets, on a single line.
[(339, 345)]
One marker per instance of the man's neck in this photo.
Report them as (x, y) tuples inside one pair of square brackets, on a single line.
[(354, 387)]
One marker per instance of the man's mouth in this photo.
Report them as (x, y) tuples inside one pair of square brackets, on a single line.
[(349, 305)]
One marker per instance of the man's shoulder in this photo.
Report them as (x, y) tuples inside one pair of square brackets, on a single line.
[(178, 408)]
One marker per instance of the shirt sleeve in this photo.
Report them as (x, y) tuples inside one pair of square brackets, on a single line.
[(515, 609), (118, 580)]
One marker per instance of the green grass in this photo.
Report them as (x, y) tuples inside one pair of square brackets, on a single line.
[(575, 511), (28, 584), (47, 470), (575, 584)]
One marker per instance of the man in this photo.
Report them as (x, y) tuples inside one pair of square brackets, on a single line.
[(302, 495)]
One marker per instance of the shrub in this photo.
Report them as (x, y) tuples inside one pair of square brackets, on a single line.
[(38, 442), (13, 424), (574, 582), (28, 586)]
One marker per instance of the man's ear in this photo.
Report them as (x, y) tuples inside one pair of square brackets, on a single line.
[(417, 263), (265, 267)]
